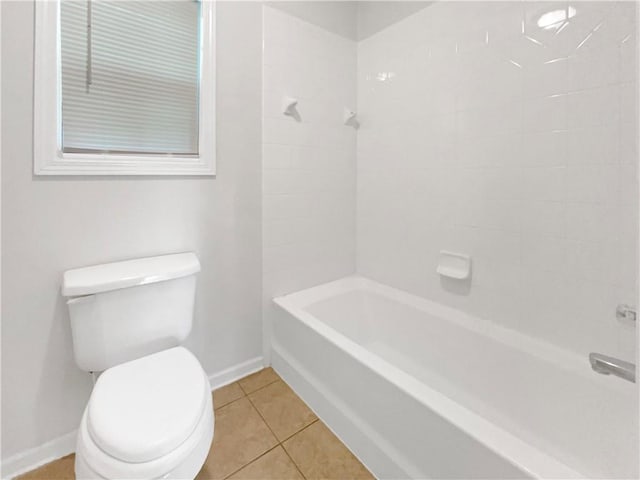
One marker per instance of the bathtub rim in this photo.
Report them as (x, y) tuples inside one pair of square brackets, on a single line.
[(507, 446), (561, 358)]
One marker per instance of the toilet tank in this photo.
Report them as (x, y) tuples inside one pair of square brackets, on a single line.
[(125, 310)]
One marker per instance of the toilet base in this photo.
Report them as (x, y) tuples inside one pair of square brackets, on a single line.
[(187, 468)]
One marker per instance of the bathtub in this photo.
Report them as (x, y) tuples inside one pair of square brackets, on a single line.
[(419, 390)]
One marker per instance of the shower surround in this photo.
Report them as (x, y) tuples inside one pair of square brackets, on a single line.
[(507, 131), (309, 162), (500, 130)]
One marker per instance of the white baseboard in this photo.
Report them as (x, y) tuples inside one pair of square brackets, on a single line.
[(59, 447), (231, 374), (34, 457)]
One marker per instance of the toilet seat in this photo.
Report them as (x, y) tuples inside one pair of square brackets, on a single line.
[(145, 408), (147, 418)]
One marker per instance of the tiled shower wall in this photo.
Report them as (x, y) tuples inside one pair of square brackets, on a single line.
[(309, 162), (489, 131)]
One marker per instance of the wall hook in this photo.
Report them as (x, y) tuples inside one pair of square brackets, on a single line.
[(289, 106), (349, 117)]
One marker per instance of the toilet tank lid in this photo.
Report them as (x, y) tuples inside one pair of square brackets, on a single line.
[(130, 273)]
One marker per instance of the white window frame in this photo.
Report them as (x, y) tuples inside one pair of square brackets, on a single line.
[(48, 157)]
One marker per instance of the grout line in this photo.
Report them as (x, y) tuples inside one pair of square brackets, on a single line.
[(280, 443), (303, 428), (267, 423), (252, 461), (260, 388), (264, 420), (215, 409), (226, 404), (293, 461), (287, 451), (255, 373)]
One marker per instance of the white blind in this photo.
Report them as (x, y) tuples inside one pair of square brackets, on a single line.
[(130, 82)]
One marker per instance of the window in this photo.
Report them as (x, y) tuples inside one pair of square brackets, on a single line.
[(124, 87)]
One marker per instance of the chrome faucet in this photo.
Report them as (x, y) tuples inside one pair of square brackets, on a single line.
[(609, 365)]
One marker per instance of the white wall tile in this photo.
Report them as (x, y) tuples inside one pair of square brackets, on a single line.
[(546, 114), (309, 179), (538, 182), (544, 79), (544, 149), (544, 183), (599, 106), (595, 68), (592, 184), (594, 145)]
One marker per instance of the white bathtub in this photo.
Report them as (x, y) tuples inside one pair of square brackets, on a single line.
[(419, 390)]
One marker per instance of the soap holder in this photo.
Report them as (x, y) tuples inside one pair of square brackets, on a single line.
[(350, 118), (454, 265), (289, 106)]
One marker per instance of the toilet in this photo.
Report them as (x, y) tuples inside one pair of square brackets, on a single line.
[(150, 412)]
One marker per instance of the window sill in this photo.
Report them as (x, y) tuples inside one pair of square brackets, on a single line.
[(104, 164)]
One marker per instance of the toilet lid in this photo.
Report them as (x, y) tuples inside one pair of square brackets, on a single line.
[(145, 408)]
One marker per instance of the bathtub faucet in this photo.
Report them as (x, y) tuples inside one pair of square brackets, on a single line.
[(609, 365)]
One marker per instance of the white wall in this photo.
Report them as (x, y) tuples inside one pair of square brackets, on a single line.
[(517, 148), (53, 224), (373, 16), (464, 145), (338, 17), (351, 19), (309, 165)]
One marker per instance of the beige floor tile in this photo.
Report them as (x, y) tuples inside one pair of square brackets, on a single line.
[(240, 436), (273, 465), (319, 454), (244, 443), (282, 409), (258, 380), (227, 394), (61, 469)]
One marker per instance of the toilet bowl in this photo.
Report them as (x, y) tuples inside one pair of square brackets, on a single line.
[(147, 418), (150, 414)]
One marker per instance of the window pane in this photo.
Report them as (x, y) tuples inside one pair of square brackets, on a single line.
[(130, 82)]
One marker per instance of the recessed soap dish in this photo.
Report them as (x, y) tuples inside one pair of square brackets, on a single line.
[(454, 265)]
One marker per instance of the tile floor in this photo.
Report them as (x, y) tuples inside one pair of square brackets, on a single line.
[(263, 431)]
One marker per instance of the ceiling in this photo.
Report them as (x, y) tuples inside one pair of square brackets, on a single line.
[(356, 20)]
